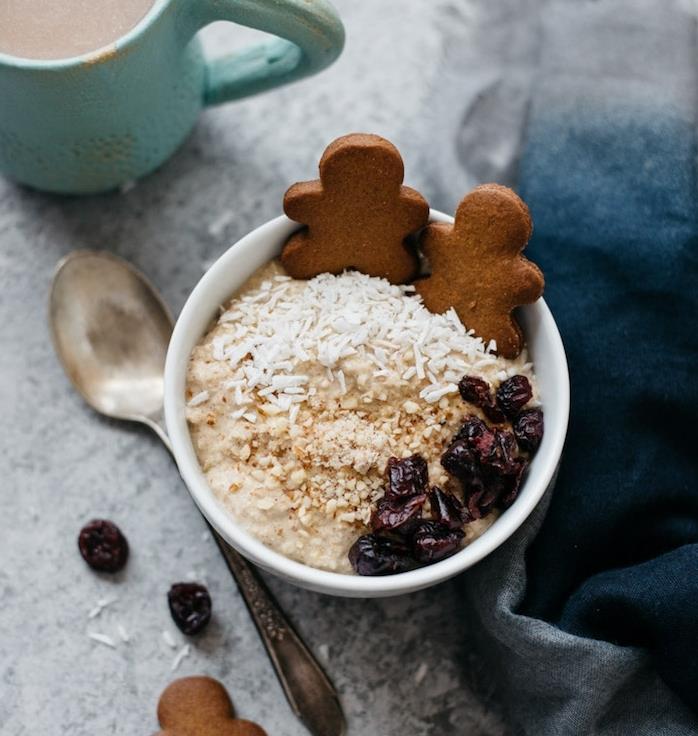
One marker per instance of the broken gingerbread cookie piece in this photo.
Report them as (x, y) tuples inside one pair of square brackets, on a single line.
[(201, 706), (477, 266), (358, 215)]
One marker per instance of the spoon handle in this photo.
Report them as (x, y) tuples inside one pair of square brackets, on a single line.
[(310, 694)]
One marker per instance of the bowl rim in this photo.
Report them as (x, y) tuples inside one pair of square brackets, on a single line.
[(275, 562)]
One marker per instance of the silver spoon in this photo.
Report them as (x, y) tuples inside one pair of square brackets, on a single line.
[(111, 330)]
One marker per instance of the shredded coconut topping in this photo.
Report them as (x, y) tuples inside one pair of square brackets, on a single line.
[(281, 326)]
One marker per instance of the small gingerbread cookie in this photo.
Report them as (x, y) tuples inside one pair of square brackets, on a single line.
[(477, 267), (200, 706), (357, 215)]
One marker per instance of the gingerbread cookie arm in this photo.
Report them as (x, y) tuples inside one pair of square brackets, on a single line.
[(415, 208), (526, 282), (301, 199), (439, 292)]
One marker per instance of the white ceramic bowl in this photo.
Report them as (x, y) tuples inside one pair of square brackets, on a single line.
[(226, 275)]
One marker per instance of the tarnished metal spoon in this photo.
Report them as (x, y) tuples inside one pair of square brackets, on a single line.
[(111, 330)]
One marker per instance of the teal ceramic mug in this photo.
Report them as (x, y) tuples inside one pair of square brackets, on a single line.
[(91, 123)]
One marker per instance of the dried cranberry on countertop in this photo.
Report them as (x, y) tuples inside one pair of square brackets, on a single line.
[(406, 476), (447, 509), (513, 394), (103, 546), (433, 541), (372, 554), (190, 606), (528, 429), (392, 513)]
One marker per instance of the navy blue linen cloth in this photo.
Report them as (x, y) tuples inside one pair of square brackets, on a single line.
[(588, 616)]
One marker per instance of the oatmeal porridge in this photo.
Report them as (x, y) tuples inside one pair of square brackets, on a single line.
[(302, 391)]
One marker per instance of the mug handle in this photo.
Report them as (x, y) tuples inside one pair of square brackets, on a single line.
[(312, 37)]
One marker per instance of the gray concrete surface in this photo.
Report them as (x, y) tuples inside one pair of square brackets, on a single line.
[(403, 666)]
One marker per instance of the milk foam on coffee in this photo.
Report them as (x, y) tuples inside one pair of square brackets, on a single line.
[(59, 29)]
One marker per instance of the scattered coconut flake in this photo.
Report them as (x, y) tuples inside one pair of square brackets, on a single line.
[(431, 394), (200, 398), (293, 413), (218, 225), (127, 186), (169, 639), (342, 381), (102, 639), (181, 655), (421, 673), (324, 652), (123, 634), (101, 604)]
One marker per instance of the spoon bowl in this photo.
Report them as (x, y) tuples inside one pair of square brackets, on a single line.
[(111, 331)]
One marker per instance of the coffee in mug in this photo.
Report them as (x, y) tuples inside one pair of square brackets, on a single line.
[(59, 29)]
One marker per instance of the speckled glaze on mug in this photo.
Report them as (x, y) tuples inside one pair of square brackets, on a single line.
[(91, 123)]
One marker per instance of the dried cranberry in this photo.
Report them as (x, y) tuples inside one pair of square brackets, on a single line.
[(479, 502), (407, 476), (472, 427), (103, 546), (513, 394), (447, 509), (494, 413), (475, 390), (432, 541), (190, 606), (391, 513), (503, 453), (528, 429), (459, 460), (484, 446), (511, 483), (372, 554), (478, 392)]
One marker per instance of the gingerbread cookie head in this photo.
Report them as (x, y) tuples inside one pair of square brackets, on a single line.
[(200, 706), (358, 215), (477, 267)]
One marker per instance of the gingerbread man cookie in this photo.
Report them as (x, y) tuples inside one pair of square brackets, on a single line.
[(477, 267), (357, 215), (200, 706)]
